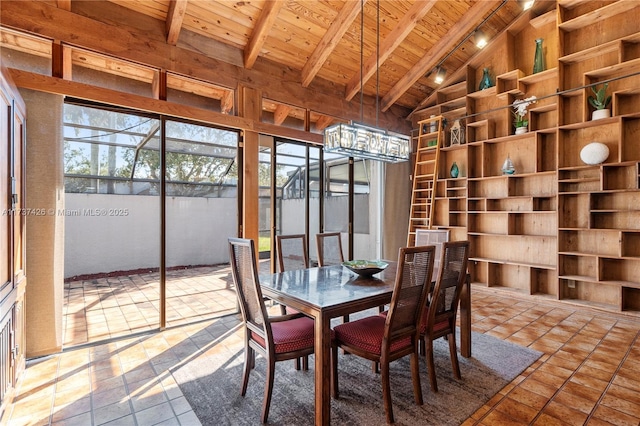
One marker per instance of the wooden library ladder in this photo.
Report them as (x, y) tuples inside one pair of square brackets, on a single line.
[(425, 176)]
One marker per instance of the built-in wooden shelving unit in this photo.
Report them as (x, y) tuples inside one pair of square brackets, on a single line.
[(557, 228)]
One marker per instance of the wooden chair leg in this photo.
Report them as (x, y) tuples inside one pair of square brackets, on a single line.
[(415, 376), (431, 365), (453, 351), (296, 363), (248, 365), (375, 367), (386, 391), (305, 363), (268, 389)]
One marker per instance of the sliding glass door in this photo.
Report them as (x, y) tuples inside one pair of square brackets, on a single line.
[(145, 249)]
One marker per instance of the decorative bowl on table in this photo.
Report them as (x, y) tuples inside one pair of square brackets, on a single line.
[(365, 268)]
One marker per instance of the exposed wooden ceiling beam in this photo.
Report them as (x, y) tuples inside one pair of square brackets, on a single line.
[(261, 31), (175, 16), (393, 40), (460, 29), (323, 122), (330, 40), (64, 4), (226, 102), (281, 113)]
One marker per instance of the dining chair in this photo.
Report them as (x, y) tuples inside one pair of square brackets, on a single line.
[(292, 252), (383, 339), (427, 237), (439, 318), (276, 338), (292, 255), (329, 248)]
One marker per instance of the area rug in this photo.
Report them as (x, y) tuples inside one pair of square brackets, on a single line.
[(211, 384)]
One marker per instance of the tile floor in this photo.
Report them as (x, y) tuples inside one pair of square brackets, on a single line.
[(587, 375)]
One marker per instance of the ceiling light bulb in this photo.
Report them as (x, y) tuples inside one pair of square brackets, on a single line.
[(440, 75), (480, 38), (528, 4)]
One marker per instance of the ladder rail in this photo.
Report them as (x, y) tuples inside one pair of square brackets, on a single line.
[(425, 177)]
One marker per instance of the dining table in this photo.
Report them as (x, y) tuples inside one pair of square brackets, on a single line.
[(328, 292)]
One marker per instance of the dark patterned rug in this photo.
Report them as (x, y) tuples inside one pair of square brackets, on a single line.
[(211, 384)]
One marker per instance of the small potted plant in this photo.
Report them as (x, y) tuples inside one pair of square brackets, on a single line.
[(520, 114), (600, 102)]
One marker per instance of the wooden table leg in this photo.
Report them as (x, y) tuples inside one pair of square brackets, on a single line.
[(323, 370), (465, 319)]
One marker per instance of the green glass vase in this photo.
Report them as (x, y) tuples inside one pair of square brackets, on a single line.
[(538, 60), (454, 170), (485, 81)]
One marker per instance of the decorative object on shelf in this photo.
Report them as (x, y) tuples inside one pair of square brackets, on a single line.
[(457, 133), (360, 140), (485, 81), (520, 113), (434, 125), (594, 153), (432, 142), (454, 170), (600, 102), (538, 60), (507, 167)]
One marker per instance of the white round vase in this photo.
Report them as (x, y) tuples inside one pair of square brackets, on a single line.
[(521, 130), (600, 113), (594, 153)]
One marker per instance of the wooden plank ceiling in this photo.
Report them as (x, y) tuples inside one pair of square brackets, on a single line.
[(322, 38)]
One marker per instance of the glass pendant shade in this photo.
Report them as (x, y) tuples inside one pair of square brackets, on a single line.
[(361, 141)]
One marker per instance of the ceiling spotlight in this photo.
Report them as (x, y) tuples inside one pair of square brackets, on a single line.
[(480, 39), (527, 4), (440, 75)]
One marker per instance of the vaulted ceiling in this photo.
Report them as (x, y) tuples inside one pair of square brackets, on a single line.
[(333, 40), (391, 46)]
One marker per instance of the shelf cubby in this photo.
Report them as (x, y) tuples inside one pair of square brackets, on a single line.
[(630, 244), (630, 138), (577, 267), (573, 210), (526, 250), (627, 220), (544, 282), (605, 131), (579, 179), (622, 271), (541, 224), (589, 242), (620, 176), (480, 131), (541, 184), (544, 117), (593, 294), (571, 108), (630, 299)]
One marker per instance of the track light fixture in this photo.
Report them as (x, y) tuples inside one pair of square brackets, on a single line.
[(527, 4), (441, 73), (480, 38)]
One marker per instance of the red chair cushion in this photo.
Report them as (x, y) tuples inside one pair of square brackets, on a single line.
[(367, 334), (290, 336), (442, 325)]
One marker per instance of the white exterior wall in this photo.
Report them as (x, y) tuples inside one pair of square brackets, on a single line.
[(127, 237)]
